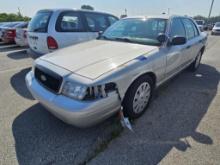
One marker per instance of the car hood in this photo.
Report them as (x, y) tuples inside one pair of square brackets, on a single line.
[(216, 28), (95, 58)]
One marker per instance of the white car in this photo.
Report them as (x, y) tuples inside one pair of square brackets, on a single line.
[(201, 24), (86, 83), (21, 37), (53, 29), (216, 29)]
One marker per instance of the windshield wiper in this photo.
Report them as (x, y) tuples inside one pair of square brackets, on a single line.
[(124, 39), (40, 29)]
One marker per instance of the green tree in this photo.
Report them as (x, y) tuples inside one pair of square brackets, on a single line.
[(87, 7), (211, 20), (10, 17)]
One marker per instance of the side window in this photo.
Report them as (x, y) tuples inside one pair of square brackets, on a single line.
[(96, 22), (112, 20), (177, 28), (69, 22), (189, 26), (196, 29)]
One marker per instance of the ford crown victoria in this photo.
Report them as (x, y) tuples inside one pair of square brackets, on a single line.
[(87, 83)]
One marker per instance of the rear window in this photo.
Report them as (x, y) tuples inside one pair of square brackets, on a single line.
[(96, 22), (40, 21)]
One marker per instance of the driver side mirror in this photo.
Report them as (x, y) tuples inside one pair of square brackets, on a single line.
[(100, 34), (178, 40)]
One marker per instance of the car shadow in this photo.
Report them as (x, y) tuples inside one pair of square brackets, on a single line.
[(174, 115), (41, 138), (18, 55), (18, 83), (172, 120)]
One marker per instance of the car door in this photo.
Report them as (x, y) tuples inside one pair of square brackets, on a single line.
[(95, 23), (70, 29), (175, 54), (193, 40)]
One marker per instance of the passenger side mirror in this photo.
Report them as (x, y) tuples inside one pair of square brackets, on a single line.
[(162, 38), (178, 40)]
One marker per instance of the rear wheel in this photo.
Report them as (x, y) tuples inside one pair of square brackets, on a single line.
[(138, 97), (195, 65)]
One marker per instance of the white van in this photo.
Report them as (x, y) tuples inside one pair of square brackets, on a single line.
[(50, 30)]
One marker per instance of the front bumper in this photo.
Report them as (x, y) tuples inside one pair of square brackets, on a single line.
[(33, 54), (214, 32), (78, 113)]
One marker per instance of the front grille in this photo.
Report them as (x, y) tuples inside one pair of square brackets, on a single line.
[(218, 30), (50, 80)]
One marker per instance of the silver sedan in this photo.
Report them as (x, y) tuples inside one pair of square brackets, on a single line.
[(87, 83)]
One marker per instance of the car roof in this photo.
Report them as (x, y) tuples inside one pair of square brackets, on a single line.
[(164, 16), (69, 9)]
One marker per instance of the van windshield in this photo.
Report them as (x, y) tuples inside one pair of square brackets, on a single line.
[(39, 22)]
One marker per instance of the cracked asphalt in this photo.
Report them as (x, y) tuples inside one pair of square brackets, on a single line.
[(181, 125)]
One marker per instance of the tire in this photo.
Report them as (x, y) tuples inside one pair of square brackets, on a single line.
[(135, 104), (196, 63)]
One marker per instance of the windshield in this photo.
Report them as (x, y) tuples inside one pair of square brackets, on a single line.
[(200, 22), (40, 22), (141, 31), (217, 24)]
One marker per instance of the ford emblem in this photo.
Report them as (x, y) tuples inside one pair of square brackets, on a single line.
[(43, 78)]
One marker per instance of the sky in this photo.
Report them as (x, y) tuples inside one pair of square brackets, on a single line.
[(116, 7)]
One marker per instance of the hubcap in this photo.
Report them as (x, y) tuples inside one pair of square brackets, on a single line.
[(141, 97), (198, 59)]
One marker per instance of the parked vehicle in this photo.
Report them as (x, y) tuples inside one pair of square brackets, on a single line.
[(201, 24), (9, 32), (216, 29), (2, 27), (21, 36), (86, 83), (53, 29)]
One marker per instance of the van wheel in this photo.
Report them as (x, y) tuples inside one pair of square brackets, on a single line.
[(195, 65), (138, 97)]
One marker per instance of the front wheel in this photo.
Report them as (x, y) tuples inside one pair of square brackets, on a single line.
[(138, 97), (195, 65)]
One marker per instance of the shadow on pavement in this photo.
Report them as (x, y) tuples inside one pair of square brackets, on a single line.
[(18, 55), (43, 139), (19, 85), (174, 115), (9, 47), (172, 118)]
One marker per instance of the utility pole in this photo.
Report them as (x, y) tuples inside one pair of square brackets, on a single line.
[(210, 11), (19, 11), (126, 12)]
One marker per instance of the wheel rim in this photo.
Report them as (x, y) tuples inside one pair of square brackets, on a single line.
[(198, 59), (141, 97)]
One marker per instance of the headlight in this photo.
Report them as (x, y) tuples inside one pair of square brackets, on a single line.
[(74, 91), (81, 92)]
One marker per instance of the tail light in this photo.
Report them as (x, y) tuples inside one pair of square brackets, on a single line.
[(52, 43), (11, 33)]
